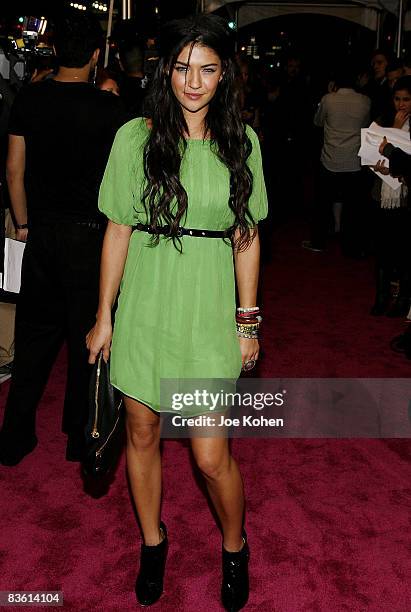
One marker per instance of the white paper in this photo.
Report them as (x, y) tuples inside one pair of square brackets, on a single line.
[(371, 139), (13, 256), (394, 183)]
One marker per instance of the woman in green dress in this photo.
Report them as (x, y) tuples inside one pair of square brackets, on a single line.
[(183, 193)]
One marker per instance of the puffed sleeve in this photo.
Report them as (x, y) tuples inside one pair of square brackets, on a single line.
[(120, 188), (258, 203)]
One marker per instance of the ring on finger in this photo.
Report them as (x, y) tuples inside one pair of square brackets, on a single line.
[(249, 365)]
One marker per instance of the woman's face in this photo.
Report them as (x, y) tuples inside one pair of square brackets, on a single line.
[(194, 84), (402, 101)]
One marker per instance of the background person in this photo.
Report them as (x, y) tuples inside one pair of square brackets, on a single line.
[(61, 131), (395, 70), (400, 167), (377, 88), (107, 80), (393, 220), (7, 230), (342, 113), (407, 64), (293, 136), (133, 83)]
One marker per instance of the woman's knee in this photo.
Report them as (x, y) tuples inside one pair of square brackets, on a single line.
[(143, 427), (143, 436), (213, 467)]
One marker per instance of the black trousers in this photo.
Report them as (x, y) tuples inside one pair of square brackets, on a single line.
[(392, 246), (348, 188), (58, 301), (392, 237)]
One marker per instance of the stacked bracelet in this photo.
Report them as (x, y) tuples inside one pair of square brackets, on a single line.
[(247, 311), (248, 322)]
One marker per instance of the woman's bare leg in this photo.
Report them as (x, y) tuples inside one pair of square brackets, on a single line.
[(144, 466), (225, 486)]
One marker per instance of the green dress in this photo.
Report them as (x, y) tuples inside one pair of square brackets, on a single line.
[(175, 317)]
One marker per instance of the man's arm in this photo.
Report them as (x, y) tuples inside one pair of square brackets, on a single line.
[(319, 117), (16, 165), (367, 113)]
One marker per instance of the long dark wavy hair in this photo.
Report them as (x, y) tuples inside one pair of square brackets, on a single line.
[(166, 143)]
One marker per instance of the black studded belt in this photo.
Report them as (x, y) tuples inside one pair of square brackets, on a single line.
[(184, 231)]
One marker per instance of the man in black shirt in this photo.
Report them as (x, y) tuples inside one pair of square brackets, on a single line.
[(60, 135)]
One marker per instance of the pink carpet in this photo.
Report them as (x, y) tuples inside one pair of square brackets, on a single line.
[(328, 520)]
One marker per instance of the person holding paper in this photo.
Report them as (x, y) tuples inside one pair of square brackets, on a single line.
[(60, 134), (393, 217), (400, 162), (400, 167)]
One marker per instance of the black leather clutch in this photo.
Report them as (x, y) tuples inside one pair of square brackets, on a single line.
[(105, 426)]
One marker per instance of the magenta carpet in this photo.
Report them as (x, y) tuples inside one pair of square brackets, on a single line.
[(328, 520)]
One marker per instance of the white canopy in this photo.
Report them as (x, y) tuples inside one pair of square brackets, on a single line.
[(389, 5), (362, 12)]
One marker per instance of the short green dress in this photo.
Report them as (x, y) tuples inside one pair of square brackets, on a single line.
[(175, 317)]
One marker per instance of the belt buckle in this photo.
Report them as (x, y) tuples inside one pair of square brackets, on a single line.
[(180, 232)]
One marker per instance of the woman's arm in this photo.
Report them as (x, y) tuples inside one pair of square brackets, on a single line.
[(113, 257), (247, 267), (319, 117)]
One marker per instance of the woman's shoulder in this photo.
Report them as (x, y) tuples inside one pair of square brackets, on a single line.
[(136, 129), (252, 135), (255, 142)]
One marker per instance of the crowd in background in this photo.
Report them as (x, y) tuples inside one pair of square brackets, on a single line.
[(310, 139)]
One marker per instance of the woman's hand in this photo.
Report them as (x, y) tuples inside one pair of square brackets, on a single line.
[(99, 339), (400, 118), (382, 146), (380, 167), (250, 349)]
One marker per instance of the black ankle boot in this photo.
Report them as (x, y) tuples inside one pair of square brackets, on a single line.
[(149, 583), (234, 589)]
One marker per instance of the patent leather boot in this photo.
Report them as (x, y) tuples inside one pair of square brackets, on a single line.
[(235, 587), (149, 583)]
